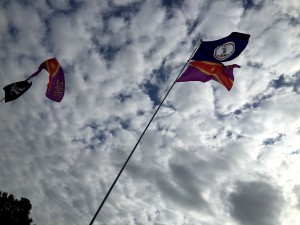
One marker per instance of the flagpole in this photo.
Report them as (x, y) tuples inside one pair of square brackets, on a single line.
[(134, 148)]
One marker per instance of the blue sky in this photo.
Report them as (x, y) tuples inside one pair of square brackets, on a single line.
[(210, 157)]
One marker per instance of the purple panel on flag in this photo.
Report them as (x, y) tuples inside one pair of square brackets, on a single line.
[(56, 86), (194, 74)]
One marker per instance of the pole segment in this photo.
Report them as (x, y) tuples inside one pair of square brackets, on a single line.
[(134, 148)]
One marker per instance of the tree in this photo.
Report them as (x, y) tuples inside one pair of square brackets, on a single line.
[(13, 211)]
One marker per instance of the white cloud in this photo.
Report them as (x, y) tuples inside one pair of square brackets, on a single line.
[(60, 4), (256, 203)]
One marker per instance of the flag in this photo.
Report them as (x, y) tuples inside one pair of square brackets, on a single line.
[(55, 88), (56, 85), (204, 71), (15, 90), (222, 50), (206, 64)]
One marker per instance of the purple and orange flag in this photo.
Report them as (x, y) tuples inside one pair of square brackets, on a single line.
[(55, 88), (206, 64)]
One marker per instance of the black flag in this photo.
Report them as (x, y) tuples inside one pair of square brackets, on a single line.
[(15, 90)]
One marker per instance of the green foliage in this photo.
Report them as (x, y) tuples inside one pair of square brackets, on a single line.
[(13, 211)]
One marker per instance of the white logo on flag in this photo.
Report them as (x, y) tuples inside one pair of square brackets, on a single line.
[(16, 90), (224, 51)]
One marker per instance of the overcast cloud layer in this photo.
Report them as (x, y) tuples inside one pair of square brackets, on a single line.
[(210, 157)]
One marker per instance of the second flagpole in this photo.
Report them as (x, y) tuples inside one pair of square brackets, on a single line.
[(134, 148)]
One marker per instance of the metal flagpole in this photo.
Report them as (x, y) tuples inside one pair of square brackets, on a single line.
[(134, 148)]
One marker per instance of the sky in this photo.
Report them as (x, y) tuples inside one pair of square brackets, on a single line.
[(209, 157)]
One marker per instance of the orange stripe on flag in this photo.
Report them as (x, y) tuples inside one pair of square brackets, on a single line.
[(52, 67), (215, 70)]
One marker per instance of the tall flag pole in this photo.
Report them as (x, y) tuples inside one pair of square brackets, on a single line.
[(204, 64), (134, 148)]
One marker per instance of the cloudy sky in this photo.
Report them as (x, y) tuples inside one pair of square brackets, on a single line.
[(210, 157)]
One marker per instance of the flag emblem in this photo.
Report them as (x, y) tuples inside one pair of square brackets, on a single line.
[(224, 51)]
